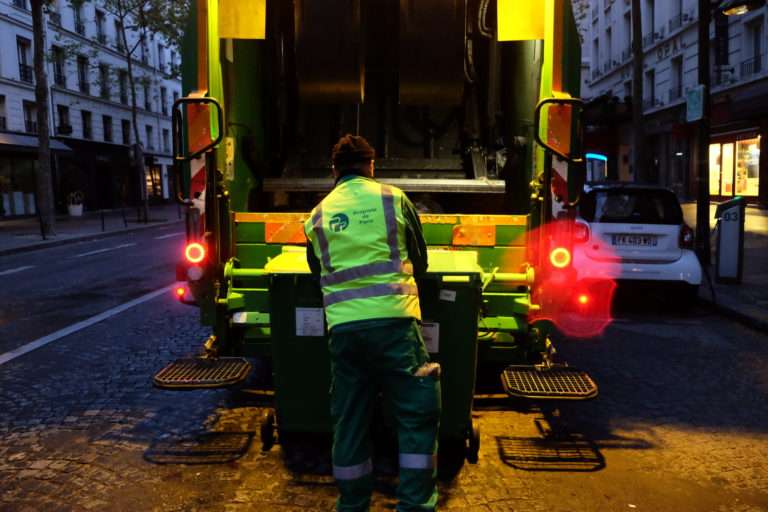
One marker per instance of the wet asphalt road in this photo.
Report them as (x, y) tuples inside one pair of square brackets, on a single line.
[(45, 290)]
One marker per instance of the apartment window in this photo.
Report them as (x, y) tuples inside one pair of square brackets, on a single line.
[(160, 57), (650, 87), (77, 11), (106, 121), (147, 99), (754, 35), (21, 4), (30, 116), (59, 66), (163, 100), (3, 119), (82, 74), (166, 140), (627, 90), (676, 87), (85, 117), (101, 33), (171, 62), (125, 126), (609, 44), (150, 137), (54, 15), (64, 127), (123, 84), (23, 48), (175, 96), (119, 36), (144, 50), (676, 21), (104, 85), (627, 50)]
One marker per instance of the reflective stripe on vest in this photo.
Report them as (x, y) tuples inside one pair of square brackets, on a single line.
[(353, 472), (367, 270), (417, 461), (377, 290), (322, 241)]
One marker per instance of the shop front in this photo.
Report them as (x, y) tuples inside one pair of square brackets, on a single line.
[(734, 166)]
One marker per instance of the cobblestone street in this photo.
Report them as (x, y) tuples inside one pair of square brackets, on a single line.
[(681, 424)]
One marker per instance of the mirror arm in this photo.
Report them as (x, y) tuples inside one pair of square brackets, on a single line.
[(537, 124)]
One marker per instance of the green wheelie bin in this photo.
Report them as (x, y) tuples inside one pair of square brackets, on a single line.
[(450, 296)]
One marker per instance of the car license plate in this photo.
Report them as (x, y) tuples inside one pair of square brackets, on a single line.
[(635, 240)]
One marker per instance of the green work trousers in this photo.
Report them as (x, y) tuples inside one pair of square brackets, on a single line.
[(383, 355)]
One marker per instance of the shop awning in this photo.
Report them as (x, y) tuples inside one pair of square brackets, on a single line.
[(19, 142)]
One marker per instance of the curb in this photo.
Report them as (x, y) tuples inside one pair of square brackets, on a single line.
[(84, 238), (743, 318)]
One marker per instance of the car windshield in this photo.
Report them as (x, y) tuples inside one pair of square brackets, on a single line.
[(631, 206)]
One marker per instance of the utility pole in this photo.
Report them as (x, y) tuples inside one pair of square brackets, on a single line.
[(638, 128), (702, 139)]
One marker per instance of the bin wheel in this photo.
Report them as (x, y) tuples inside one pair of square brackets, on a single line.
[(267, 431), (473, 444)]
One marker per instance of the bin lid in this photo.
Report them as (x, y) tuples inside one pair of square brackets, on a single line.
[(736, 202), (443, 261), (293, 260)]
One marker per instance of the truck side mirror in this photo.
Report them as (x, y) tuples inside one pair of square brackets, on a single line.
[(203, 119), (558, 127)]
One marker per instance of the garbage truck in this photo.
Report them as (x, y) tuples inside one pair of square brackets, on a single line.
[(472, 106)]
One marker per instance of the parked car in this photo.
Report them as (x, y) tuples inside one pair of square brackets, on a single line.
[(636, 233)]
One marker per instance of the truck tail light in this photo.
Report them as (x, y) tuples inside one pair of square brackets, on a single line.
[(686, 237), (194, 252), (560, 257)]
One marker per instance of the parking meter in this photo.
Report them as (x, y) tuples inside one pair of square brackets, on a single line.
[(729, 253)]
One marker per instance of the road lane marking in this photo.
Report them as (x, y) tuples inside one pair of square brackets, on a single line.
[(99, 251), (79, 326), (15, 270), (169, 235)]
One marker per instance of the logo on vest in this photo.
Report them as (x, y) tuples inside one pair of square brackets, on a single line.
[(339, 222)]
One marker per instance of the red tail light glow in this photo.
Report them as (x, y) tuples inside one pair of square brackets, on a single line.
[(194, 252), (583, 299), (560, 257), (180, 291)]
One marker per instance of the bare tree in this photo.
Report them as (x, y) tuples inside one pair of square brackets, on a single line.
[(638, 131), (43, 175)]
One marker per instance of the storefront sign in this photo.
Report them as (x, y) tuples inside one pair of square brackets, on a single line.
[(694, 104), (669, 48)]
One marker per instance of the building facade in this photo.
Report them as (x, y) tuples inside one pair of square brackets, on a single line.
[(739, 95), (90, 116)]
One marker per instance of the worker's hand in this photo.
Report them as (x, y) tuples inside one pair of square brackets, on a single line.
[(428, 369)]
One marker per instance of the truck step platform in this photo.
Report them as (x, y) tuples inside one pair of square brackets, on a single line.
[(548, 383), (203, 373)]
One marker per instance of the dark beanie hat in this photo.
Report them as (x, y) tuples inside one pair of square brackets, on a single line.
[(352, 149)]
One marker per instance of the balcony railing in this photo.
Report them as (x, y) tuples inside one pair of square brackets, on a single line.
[(55, 18), (675, 92), (104, 92), (3, 124), (26, 74), (64, 129), (650, 103), (60, 79), (676, 22), (124, 97), (102, 38), (85, 87), (30, 126), (80, 27), (752, 66)]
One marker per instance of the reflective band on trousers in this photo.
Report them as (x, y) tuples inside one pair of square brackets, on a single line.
[(367, 292), (417, 461), (353, 472), (367, 270)]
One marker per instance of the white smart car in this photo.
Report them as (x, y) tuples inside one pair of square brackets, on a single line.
[(631, 232)]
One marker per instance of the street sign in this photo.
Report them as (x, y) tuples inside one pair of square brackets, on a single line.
[(694, 103)]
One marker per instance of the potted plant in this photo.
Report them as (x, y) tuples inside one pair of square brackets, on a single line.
[(75, 203)]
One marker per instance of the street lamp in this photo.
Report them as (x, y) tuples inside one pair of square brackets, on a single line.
[(737, 7)]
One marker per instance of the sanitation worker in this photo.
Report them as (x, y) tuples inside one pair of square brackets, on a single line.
[(366, 246)]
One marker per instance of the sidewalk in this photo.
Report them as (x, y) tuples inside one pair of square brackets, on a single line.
[(21, 235), (748, 301)]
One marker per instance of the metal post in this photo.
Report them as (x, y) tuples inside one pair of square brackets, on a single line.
[(702, 139)]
